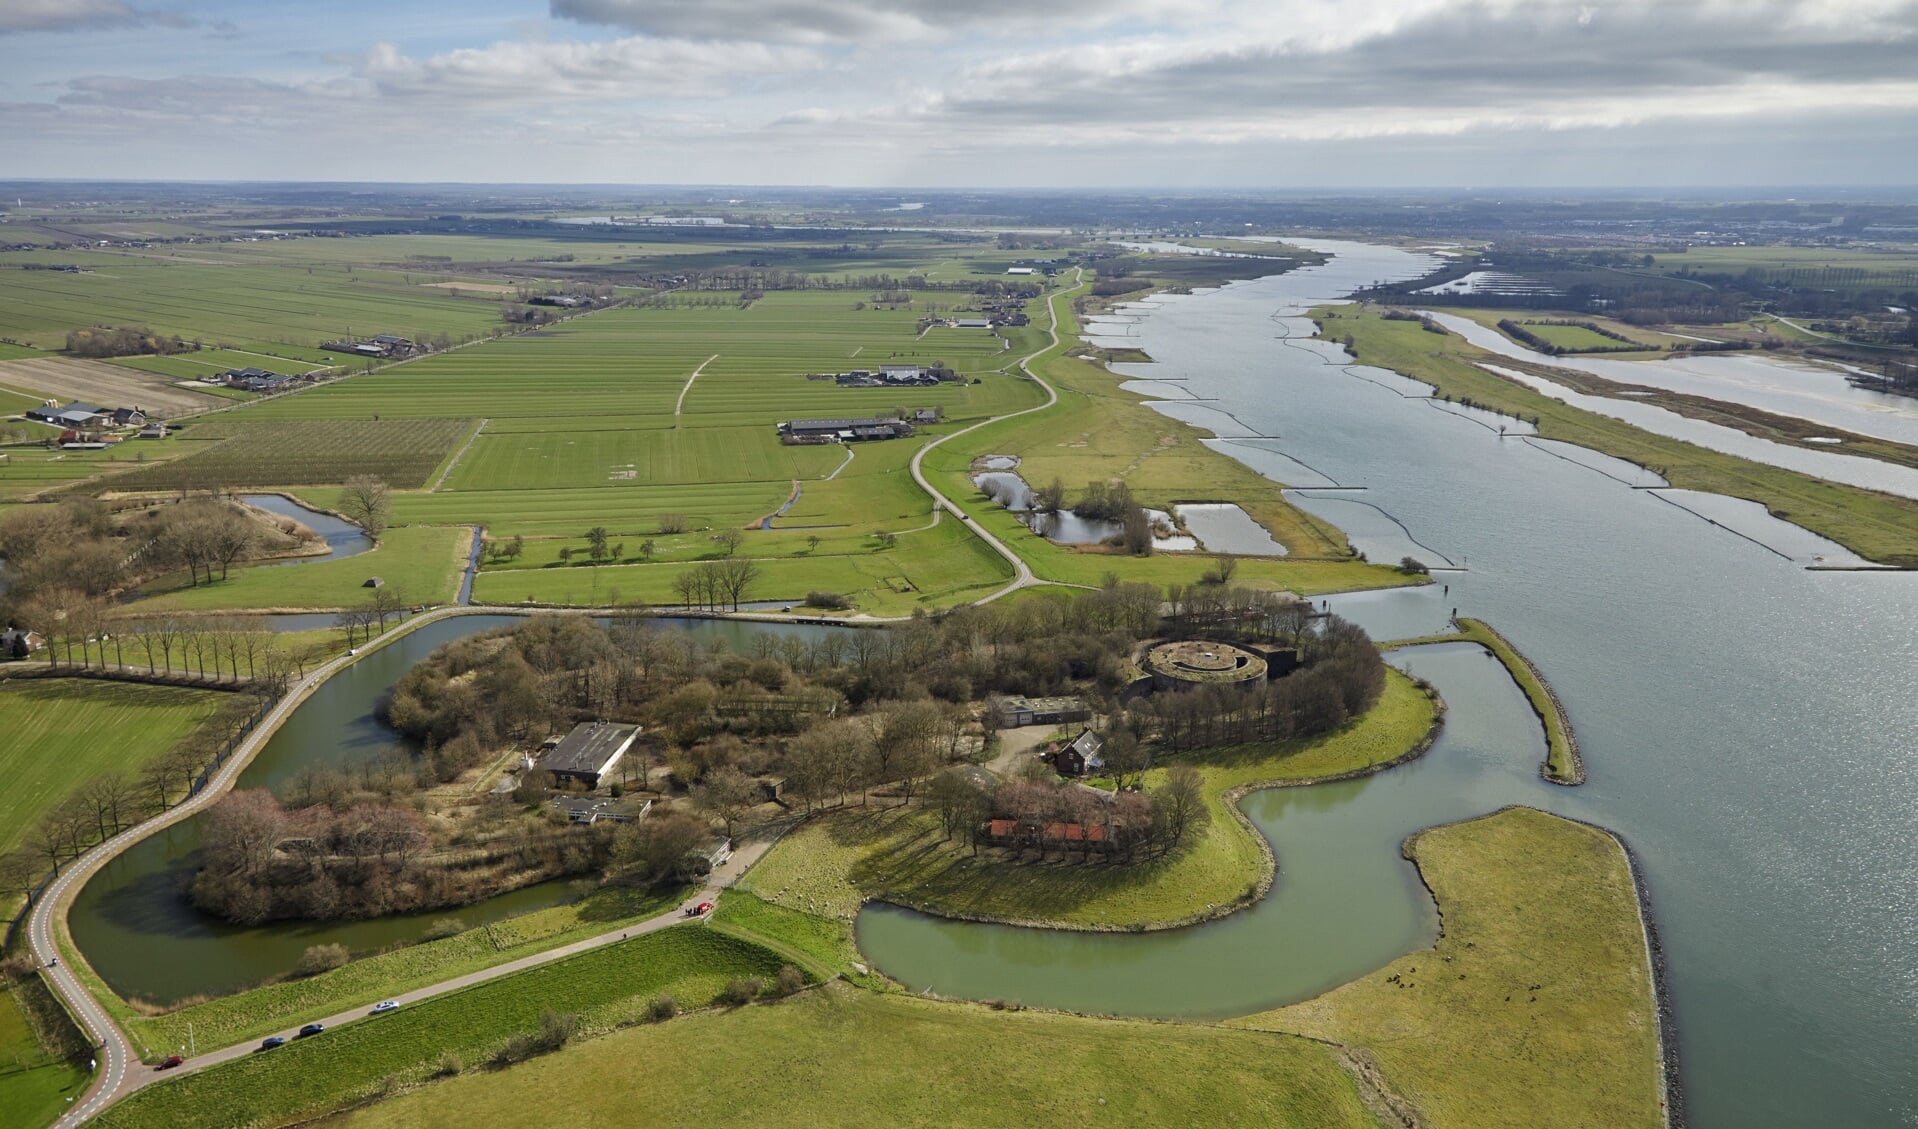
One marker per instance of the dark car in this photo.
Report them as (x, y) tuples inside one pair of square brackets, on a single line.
[(272, 1041), (170, 1062), (310, 1029)]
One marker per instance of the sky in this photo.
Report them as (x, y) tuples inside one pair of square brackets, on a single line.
[(987, 93)]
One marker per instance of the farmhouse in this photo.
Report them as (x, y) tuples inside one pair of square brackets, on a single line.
[(16, 643), (842, 430), (1018, 270), (971, 323), (1016, 712), (588, 753), (1080, 756)]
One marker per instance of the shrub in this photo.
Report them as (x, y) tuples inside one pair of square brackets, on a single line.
[(788, 981), (443, 928), (556, 1029), (323, 958), (450, 1064), (661, 1008), (741, 990), (834, 600), (519, 1048), (1413, 565)]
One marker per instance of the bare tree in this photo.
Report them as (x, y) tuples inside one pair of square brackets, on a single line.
[(726, 794), (730, 539), (368, 503)]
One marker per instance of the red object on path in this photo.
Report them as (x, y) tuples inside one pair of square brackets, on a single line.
[(170, 1062)]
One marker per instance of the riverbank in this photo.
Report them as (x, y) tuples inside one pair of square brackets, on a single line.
[(1536, 1006), (1099, 432), (1879, 527), (1563, 765), (841, 859)]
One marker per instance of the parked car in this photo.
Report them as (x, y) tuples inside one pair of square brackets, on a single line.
[(170, 1062), (385, 1006), (272, 1041), (701, 908), (310, 1029)]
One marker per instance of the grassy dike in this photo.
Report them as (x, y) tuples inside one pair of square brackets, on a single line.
[(1562, 764), (1879, 527), (1536, 1007), (835, 863), (274, 1007), (852, 1059), (607, 988)]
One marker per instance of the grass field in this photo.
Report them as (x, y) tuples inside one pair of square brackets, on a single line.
[(226, 299), (607, 987), (261, 1011), (1536, 1006), (419, 564), (843, 1057), (831, 865), (34, 1085), (1879, 527), (62, 733)]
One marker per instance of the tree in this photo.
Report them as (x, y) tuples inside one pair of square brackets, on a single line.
[(646, 548), (596, 542), (726, 794), (729, 540), (1182, 801), (656, 848), (368, 503)]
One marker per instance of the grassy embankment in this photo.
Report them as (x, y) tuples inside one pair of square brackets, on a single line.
[(1562, 763), (1536, 1006), (1879, 527), (831, 865), (1098, 432), (847, 1058), (274, 1007), (36, 1080), (419, 564), (608, 987)]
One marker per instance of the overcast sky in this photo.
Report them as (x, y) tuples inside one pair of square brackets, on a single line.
[(1176, 93)]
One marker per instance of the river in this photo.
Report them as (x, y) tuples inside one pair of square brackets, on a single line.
[(133, 920), (1750, 726)]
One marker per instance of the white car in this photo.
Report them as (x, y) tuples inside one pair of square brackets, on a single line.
[(385, 1006)]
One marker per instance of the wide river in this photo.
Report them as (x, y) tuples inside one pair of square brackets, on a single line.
[(1749, 726)]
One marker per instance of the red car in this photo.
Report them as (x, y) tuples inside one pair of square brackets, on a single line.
[(170, 1062), (699, 910)]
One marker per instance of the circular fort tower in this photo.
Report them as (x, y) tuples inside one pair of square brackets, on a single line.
[(1180, 666)]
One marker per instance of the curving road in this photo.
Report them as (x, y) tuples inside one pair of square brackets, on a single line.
[(1022, 576), (122, 1072)]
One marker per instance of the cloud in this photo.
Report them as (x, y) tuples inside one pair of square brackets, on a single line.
[(854, 91), (79, 15), (814, 21), (1445, 68), (575, 70)]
